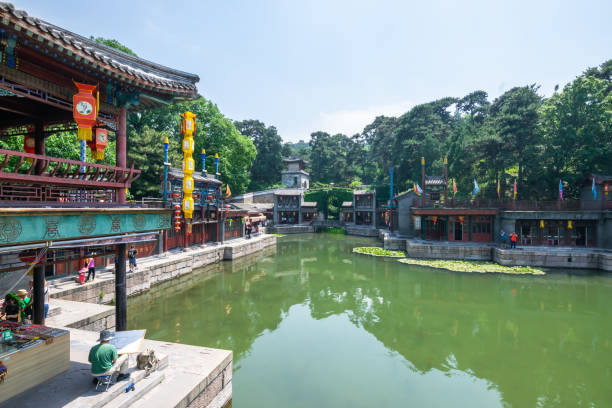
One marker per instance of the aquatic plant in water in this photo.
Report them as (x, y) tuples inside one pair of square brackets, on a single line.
[(376, 251), (473, 266)]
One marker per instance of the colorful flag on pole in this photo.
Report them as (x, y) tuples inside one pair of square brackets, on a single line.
[(476, 188), (228, 192), (560, 190), (594, 189), (454, 188), (498, 189), (418, 190), (515, 190)]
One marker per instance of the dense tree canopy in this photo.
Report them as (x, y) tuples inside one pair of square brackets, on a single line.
[(268, 164), (520, 136), (215, 133)]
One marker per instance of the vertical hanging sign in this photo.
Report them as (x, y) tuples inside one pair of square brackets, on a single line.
[(188, 125), (85, 109)]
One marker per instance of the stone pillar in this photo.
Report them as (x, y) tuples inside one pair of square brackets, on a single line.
[(120, 289), (276, 217), (160, 243), (121, 149), (39, 294)]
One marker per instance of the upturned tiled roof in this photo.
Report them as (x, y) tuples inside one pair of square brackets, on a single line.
[(112, 62), (197, 176)]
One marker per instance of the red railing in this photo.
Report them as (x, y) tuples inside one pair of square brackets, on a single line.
[(30, 168)]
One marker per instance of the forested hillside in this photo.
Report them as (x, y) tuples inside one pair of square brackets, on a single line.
[(518, 136)]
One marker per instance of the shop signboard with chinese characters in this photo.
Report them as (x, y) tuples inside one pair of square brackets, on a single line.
[(51, 226)]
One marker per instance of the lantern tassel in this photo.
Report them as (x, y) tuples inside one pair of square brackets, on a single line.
[(84, 134)]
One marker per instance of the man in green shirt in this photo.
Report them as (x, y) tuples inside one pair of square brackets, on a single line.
[(104, 359)]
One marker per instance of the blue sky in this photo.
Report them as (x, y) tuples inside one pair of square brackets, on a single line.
[(334, 65)]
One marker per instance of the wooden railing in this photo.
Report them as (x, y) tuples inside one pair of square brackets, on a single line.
[(518, 205), (27, 168)]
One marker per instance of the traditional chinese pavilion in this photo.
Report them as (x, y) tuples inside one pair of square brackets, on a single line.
[(53, 210)]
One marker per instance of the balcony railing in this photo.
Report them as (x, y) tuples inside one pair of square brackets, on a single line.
[(519, 205), (32, 177)]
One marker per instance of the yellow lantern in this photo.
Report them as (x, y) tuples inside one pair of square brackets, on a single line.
[(188, 125), (570, 224), (541, 223)]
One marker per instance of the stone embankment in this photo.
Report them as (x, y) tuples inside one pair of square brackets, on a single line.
[(156, 269), (547, 257)]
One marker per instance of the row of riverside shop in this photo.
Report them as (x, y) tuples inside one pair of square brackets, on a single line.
[(429, 213), (54, 211)]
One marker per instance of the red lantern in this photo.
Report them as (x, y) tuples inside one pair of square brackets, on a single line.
[(606, 189), (435, 219), (29, 144), (461, 218), (85, 109), (98, 143)]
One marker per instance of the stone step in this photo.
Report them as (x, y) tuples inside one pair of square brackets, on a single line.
[(54, 311), (145, 385), (99, 399)]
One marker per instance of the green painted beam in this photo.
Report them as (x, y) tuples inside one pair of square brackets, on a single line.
[(51, 226)]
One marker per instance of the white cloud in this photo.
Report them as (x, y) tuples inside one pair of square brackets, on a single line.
[(350, 122), (346, 121)]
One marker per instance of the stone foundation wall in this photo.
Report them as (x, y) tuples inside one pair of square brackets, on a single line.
[(554, 258), (460, 252), (96, 323), (247, 247), (362, 231), (213, 388), (291, 229), (162, 269)]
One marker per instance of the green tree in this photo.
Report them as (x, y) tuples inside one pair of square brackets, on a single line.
[(576, 126), (268, 164), (145, 153), (514, 117), (113, 44), (214, 132)]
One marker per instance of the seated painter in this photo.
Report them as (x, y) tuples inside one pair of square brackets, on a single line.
[(105, 360)]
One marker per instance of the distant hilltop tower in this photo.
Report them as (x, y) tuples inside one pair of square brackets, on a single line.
[(295, 176)]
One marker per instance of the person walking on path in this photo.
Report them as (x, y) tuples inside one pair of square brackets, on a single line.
[(503, 238), (513, 239), (91, 268), (132, 258)]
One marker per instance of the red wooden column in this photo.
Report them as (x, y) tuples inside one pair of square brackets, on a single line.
[(423, 181), (121, 149), (39, 146)]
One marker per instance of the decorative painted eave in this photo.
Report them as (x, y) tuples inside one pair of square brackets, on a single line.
[(109, 61)]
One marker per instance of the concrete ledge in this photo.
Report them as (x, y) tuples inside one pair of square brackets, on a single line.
[(290, 229), (362, 231)]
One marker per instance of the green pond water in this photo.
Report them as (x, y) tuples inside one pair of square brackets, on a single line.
[(312, 324)]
